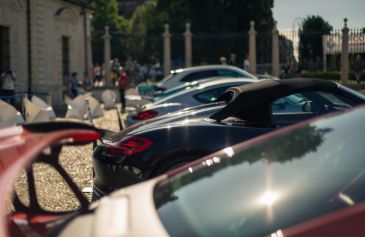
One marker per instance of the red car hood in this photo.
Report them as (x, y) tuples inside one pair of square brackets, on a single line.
[(19, 146)]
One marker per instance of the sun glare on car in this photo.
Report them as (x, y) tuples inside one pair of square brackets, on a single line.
[(269, 198), (229, 151)]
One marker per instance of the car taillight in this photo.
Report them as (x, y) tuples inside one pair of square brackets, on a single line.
[(128, 146), (146, 114)]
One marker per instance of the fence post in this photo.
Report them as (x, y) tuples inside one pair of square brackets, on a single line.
[(188, 46), (324, 40), (166, 51), (275, 52), (252, 47), (107, 53), (345, 54), (49, 99)]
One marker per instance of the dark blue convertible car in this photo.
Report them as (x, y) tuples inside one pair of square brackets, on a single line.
[(155, 146)]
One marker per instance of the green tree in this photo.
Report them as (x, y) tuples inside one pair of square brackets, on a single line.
[(105, 13), (215, 24), (311, 32), (212, 16), (140, 41)]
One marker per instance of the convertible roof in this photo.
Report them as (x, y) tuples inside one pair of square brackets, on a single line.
[(252, 101)]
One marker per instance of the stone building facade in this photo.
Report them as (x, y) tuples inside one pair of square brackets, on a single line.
[(59, 39)]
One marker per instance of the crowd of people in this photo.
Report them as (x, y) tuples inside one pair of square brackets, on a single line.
[(121, 76), (136, 72), (234, 62), (289, 69)]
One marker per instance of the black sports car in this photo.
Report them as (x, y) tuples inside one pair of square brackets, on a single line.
[(153, 147)]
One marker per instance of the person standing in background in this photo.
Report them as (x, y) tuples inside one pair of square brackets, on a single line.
[(223, 60), (8, 79), (122, 86), (246, 64), (233, 60), (72, 86), (115, 71), (97, 75), (358, 67)]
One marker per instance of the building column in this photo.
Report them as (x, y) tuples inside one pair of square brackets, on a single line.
[(87, 41), (324, 54), (252, 47), (275, 52), (188, 46), (107, 56), (89, 47), (345, 54), (166, 51)]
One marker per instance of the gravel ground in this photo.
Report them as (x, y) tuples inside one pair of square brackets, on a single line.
[(53, 194)]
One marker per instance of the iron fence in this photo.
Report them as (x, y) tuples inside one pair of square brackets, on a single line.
[(322, 52), (309, 51)]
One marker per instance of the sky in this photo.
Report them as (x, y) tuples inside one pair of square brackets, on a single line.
[(288, 13)]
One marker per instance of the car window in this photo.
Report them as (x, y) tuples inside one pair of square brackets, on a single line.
[(199, 75), (228, 73), (289, 179), (289, 104), (175, 90), (300, 106), (210, 95), (335, 100), (314, 102)]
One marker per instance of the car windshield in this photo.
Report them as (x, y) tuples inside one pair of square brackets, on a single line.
[(175, 90), (293, 177), (169, 77)]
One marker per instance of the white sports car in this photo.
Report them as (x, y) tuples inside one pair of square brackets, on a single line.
[(181, 76), (205, 93)]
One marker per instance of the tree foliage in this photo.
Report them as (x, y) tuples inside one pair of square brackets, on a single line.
[(311, 32), (222, 23), (139, 40), (142, 38), (106, 13), (212, 16)]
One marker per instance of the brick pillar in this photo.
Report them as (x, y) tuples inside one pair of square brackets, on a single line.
[(107, 53), (188, 46), (252, 47), (345, 54), (166, 51), (275, 52)]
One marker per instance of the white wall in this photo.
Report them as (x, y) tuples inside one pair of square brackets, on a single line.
[(47, 29), (13, 15)]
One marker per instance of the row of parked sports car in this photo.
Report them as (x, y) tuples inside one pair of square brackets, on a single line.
[(253, 161)]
